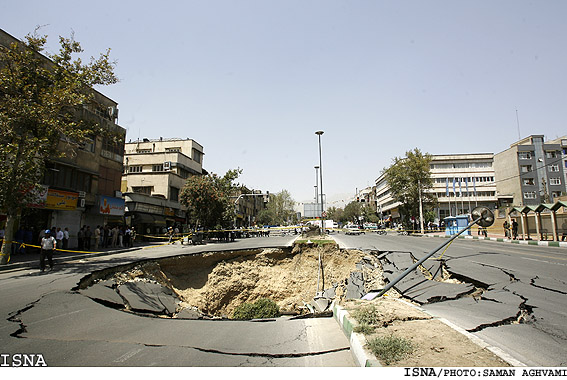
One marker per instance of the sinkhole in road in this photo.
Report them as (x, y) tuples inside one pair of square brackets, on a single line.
[(213, 284)]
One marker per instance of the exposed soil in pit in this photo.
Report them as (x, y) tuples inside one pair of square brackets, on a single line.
[(216, 283)]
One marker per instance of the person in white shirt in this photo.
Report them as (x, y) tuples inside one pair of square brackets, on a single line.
[(66, 238), (48, 244), (59, 237)]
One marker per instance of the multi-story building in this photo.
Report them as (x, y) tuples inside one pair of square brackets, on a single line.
[(155, 171), (460, 183), (247, 206), (531, 171), (78, 185)]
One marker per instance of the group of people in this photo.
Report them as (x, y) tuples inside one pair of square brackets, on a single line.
[(511, 230), (106, 237)]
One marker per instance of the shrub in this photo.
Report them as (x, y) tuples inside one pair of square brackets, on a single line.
[(390, 349), (368, 315), (262, 308)]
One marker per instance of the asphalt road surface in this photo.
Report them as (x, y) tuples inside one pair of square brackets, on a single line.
[(41, 314), (522, 308)]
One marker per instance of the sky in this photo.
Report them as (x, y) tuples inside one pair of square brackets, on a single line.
[(253, 80)]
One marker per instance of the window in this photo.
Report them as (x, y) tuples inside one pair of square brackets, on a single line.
[(555, 181), (157, 168), (525, 155), (144, 151), (526, 168), (530, 195), (553, 168), (135, 169), (550, 154), (173, 150), (143, 189), (88, 145), (197, 156), (529, 182), (173, 194)]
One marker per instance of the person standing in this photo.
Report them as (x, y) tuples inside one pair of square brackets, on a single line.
[(96, 237), (66, 238), (506, 229), (515, 229), (88, 235), (48, 244), (59, 237), (81, 238)]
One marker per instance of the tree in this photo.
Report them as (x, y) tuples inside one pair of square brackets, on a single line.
[(279, 210), (207, 199), (41, 101), (408, 178)]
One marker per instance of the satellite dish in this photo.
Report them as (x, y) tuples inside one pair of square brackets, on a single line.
[(486, 216)]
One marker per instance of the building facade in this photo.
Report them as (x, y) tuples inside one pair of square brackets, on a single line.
[(532, 171), (79, 183), (155, 171), (461, 182)]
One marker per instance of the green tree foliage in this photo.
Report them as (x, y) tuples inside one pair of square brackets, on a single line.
[(207, 199), (407, 177), (279, 210), (41, 98), (355, 210)]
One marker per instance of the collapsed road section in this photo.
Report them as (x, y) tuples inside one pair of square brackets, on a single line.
[(485, 291), (213, 285)]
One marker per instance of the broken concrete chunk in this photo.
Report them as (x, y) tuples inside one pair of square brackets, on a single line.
[(149, 297), (104, 294)]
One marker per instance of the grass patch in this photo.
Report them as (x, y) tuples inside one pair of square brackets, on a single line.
[(368, 315), (390, 349), (262, 308), (364, 328)]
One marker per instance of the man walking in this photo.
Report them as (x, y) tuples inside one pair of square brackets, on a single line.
[(48, 244)]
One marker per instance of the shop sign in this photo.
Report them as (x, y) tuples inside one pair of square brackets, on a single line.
[(169, 211), (39, 196), (111, 206), (61, 200)]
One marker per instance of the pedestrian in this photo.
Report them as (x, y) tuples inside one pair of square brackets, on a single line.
[(96, 237), (48, 244), (170, 233), (66, 237), (132, 237), (114, 236), (514, 229), (121, 236), (88, 236), (506, 231), (127, 233), (59, 237), (81, 238)]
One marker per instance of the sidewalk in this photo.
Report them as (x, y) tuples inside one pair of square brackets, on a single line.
[(31, 258), (501, 238)]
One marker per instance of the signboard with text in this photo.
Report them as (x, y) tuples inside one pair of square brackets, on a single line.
[(111, 206)]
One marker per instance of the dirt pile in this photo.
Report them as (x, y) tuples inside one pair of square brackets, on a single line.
[(288, 278)]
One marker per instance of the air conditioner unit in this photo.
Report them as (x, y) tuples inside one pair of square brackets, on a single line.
[(167, 165), (113, 112)]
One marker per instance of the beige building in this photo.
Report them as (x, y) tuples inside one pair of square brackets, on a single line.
[(78, 185), (460, 183), (155, 171)]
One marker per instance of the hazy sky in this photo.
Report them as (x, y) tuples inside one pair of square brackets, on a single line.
[(253, 80)]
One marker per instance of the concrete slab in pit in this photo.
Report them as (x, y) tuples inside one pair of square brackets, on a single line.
[(401, 260), (104, 293), (149, 297), (431, 291)]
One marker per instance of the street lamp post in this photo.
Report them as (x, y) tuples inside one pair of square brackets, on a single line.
[(319, 133), (317, 191)]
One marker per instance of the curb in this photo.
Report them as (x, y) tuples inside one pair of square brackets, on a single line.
[(364, 358), (357, 341), (505, 240)]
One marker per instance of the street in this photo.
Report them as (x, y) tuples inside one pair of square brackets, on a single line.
[(523, 306), (42, 315)]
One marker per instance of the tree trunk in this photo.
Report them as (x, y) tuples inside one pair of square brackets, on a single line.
[(8, 237)]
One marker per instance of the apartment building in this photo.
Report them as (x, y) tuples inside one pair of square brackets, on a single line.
[(78, 183), (532, 171), (155, 171)]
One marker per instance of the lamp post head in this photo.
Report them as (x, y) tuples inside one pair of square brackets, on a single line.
[(317, 167), (319, 133)]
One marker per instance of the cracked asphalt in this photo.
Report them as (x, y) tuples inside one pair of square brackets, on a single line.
[(513, 297), (42, 314)]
